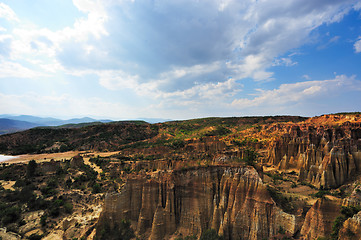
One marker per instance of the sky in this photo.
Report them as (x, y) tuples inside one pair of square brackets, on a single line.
[(179, 59)]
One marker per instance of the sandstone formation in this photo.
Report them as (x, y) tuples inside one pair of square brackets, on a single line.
[(319, 219), (231, 200), (351, 229), (354, 199), (324, 156)]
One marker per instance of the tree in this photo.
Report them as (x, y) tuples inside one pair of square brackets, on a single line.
[(31, 169)]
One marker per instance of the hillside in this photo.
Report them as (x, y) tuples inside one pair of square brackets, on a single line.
[(10, 123), (280, 177), (113, 136), (10, 126), (66, 138)]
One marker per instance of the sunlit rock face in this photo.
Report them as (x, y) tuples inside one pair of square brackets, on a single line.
[(234, 201), (319, 219), (351, 229), (325, 156)]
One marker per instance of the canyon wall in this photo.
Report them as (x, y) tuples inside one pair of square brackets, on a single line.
[(233, 201), (319, 219), (326, 156)]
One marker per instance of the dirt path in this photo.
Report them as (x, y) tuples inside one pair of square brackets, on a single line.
[(94, 166)]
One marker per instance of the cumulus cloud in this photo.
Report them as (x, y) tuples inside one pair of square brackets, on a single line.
[(15, 70), (357, 46), (7, 13), (288, 94), (178, 52)]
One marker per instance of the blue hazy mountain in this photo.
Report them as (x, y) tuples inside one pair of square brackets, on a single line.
[(11, 123)]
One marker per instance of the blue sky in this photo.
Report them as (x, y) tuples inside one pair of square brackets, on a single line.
[(181, 59)]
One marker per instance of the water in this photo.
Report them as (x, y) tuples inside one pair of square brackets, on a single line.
[(5, 158)]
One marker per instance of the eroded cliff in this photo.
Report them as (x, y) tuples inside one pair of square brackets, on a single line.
[(325, 156), (232, 200)]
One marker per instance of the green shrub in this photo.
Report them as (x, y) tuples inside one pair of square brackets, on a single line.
[(31, 168), (337, 224), (281, 200), (50, 188), (54, 207), (96, 188), (346, 212), (210, 234), (10, 214), (68, 207), (219, 131), (321, 193), (350, 211), (43, 220), (119, 231)]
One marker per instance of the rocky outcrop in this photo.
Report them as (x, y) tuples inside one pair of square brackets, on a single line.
[(354, 199), (351, 229), (233, 201), (325, 156), (319, 219)]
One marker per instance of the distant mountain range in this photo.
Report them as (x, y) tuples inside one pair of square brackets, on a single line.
[(10, 123)]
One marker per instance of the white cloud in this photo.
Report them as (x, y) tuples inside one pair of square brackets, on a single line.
[(117, 80), (288, 94), (7, 13), (15, 70), (285, 61), (208, 91), (307, 77), (183, 52), (357, 46), (196, 70)]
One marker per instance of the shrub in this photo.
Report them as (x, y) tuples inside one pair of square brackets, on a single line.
[(119, 231), (50, 188), (350, 211), (321, 193), (337, 224), (281, 200), (31, 168), (187, 238), (250, 156), (346, 212), (35, 236), (219, 131), (96, 188), (10, 214), (68, 207), (54, 207), (210, 234), (43, 220)]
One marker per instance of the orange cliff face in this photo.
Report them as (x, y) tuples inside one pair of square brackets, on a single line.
[(326, 154), (234, 201), (319, 219)]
